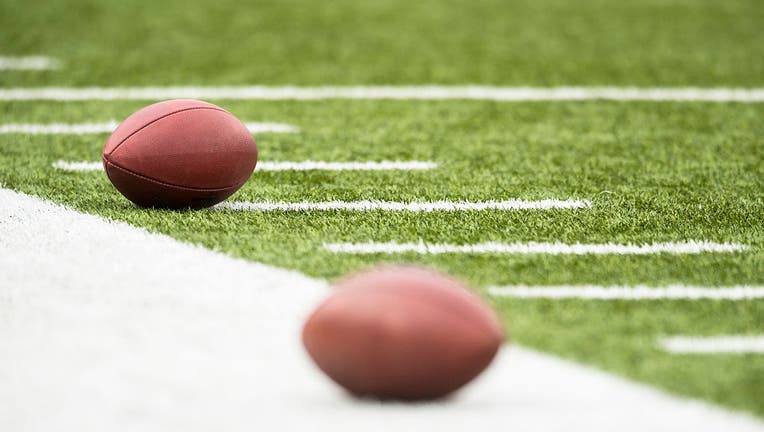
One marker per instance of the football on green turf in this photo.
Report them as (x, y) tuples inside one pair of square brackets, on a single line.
[(179, 154)]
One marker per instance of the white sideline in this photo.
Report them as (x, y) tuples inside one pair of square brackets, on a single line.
[(429, 206), (428, 92), (688, 247), (289, 166), (713, 345), (639, 292), (109, 327), (109, 126), (37, 63)]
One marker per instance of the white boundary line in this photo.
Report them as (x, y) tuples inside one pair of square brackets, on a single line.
[(713, 345), (431, 206), (432, 92), (639, 292), (106, 327), (34, 63), (688, 247), (288, 166), (109, 126)]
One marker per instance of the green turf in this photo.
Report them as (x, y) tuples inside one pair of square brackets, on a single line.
[(521, 42), (655, 172)]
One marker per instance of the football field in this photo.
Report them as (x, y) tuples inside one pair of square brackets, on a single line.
[(595, 169)]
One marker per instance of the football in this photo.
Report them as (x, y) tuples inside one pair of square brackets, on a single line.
[(179, 154), (403, 333)]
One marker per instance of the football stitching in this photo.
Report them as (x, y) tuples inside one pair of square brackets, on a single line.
[(160, 118), (160, 182)]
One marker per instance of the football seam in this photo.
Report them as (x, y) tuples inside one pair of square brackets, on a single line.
[(160, 118), (163, 183)]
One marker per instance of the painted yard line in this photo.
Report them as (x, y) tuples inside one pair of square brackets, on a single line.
[(639, 292), (288, 166), (713, 345), (255, 127), (109, 126), (688, 247), (429, 206), (78, 166), (384, 165), (37, 63), (58, 128), (433, 92), (80, 351)]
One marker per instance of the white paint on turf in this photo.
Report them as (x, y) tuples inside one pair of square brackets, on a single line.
[(109, 327), (713, 345), (256, 127), (687, 247), (33, 63), (640, 292), (58, 128), (80, 166), (432, 92), (384, 165), (109, 126), (423, 206), (290, 166)]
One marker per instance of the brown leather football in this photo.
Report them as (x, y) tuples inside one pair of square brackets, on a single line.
[(402, 333), (179, 154)]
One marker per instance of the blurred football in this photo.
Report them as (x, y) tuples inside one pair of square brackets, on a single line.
[(402, 333), (179, 154)]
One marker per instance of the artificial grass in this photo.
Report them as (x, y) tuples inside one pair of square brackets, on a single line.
[(654, 172), (523, 42)]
